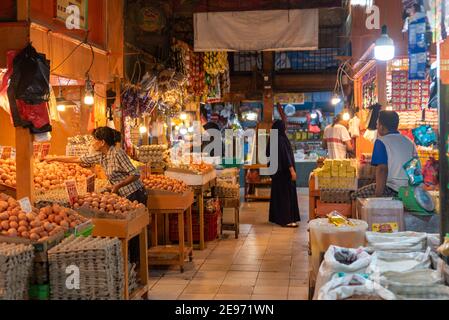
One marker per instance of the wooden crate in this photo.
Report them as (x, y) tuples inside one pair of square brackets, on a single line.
[(9, 191), (165, 200), (120, 228), (323, 209)]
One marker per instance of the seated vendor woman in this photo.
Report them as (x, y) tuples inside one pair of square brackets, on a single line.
[(391, 151)]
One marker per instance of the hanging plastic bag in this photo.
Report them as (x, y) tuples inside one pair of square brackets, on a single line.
[(31, 75), (414, 172), (424, 136)]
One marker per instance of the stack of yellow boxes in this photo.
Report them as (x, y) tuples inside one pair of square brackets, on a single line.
[(336, 174)]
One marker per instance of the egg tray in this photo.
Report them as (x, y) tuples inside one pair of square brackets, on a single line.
[(100, 264), (15, 269)]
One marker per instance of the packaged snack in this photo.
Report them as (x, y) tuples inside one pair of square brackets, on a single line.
[(414, 171), (424, 136), (339, 220)]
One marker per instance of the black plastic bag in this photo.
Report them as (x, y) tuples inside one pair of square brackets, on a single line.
[(31, 76)]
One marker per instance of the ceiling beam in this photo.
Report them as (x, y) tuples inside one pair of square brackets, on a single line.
[(319, 82)]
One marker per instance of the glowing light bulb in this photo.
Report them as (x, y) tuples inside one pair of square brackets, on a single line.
[(60, 107), (336, 100), (346, 116), (143, 130), (183, 116), (89, 99)]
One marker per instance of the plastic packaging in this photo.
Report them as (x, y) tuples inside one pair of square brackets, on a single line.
[(444, 248), (382, 262), (323, 234), (382, 214), (414, 172), (354, 287), (397, 242), (341, 261), (424, 136)]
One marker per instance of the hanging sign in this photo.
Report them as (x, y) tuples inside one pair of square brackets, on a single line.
[(72, 191), (6, 153), (90, 182), (289, 98), (444, 62), (45, 150), (25, 205), (37, 147), (62, 14)]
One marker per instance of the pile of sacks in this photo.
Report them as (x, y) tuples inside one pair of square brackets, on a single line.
[(396, 266)]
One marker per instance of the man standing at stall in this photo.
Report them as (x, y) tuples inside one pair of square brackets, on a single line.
[(337, 140), (391, 151)]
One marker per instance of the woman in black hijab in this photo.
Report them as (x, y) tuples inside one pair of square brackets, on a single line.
[(284, 208)]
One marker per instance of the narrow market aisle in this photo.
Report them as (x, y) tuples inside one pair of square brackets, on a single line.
[(267, 262)]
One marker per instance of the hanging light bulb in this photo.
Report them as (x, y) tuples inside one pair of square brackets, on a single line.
[(89, 93), (346, 116), (143, 130), (190, 130), (384, 49), (176, 128), (314, 115), (183, 116), (60, 107), (60, 104), (336, 99), (183, 131)]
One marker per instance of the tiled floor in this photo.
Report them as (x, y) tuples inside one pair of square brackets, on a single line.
[(267, 262)]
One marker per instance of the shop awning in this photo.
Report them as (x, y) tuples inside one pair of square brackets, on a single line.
[(257, 30)]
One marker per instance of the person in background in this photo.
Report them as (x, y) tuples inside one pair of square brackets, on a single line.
[(122, 175), (337, 140), (284, 209), (391, 151)]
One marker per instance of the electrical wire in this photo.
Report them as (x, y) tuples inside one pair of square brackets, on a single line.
[(72, 52)]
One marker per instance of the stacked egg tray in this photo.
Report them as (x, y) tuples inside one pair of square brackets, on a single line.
[(100, 265), (15, 268), (335, 196)]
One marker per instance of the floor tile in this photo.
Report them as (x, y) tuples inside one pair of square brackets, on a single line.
[(267, 290)]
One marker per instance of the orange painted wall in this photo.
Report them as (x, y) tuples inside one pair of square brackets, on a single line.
[(390, 15), (44, 12)]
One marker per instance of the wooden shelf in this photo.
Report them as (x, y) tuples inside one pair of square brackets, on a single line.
[(259, 183), (166, 255), (257, 197)]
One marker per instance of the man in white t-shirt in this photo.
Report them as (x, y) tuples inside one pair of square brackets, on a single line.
[(337, 139)]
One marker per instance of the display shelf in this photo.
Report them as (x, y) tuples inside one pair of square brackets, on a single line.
[(169, 255), (138, 293), (165, 204), (253, 197), (125, 230), (259, 183)]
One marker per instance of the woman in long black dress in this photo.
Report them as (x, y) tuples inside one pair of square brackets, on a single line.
[(284, 208)]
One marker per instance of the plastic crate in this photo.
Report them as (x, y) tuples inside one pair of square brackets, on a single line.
[(39, 292), (210, 227)]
